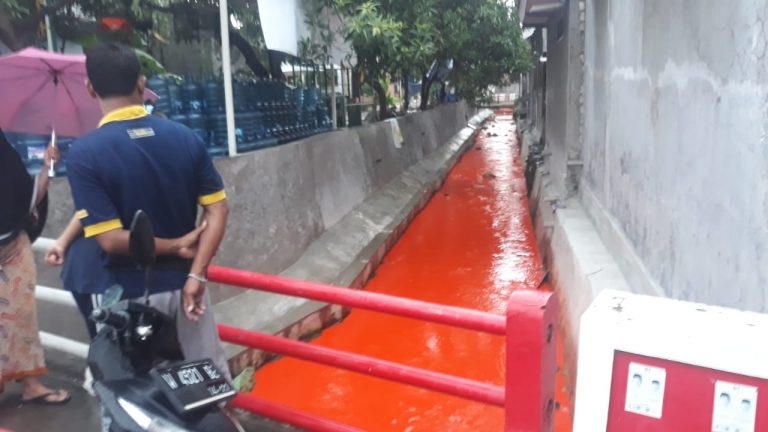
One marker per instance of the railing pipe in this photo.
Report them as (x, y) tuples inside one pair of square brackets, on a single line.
[(416, 309), (288, 415), (455, 386)]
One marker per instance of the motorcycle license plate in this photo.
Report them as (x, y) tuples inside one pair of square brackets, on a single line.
[(193, 385)]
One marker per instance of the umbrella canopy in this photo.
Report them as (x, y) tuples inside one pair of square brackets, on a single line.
[(43, 91)]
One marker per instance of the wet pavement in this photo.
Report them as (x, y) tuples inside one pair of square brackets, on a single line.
[(81, 414), (469, 247)]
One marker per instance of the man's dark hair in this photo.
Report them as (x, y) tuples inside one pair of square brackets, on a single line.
[(113, 69)]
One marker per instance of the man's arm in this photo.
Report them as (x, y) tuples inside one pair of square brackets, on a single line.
[(98, 214), (55, 254), (215, 215), (117, 242)]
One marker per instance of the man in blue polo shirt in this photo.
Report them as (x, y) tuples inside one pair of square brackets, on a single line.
[(135, 161)]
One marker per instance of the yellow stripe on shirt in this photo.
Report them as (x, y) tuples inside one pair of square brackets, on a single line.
[(212, 198), (121, 114), (102, 227)]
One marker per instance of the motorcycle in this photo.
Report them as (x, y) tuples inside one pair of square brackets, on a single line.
[(139, 371)]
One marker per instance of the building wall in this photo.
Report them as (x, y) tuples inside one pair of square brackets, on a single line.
[(534, 83), (674, 146), (564, 79)]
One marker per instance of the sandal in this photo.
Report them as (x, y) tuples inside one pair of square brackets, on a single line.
[(43, 399)]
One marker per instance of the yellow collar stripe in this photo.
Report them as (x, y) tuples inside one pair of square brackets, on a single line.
[(121, 114)]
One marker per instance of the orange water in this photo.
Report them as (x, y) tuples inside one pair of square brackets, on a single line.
[(469, 246)]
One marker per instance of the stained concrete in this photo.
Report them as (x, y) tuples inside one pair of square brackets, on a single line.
[(672, 143), (675, 149), (342, 252), (581, 265)]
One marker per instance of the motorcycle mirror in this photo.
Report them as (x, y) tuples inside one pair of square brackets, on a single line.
[(111, 296), (142, 240)]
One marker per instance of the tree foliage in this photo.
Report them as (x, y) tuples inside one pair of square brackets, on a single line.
[(391, 39), (152, 23), (486, 44), (402, 38)]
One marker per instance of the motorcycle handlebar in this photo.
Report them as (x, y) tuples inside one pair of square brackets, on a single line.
[(117, 320)]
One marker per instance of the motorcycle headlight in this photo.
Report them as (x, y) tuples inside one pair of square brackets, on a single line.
[(147, 421)]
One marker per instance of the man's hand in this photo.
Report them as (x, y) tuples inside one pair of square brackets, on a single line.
[(192, 299), (187, 245), (54, 256), (51, 155)]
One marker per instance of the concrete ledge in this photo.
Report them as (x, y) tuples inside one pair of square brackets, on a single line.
[(620, 247), (580, 264), (582, 267), (345, 254)]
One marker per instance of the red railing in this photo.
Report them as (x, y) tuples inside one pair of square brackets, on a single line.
[(529, 327)]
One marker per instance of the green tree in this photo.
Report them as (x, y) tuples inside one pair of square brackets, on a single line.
[(153, 23), (400, 38), (20, 21), (419, 41), (391, 38), (375, 37), (486, 45)]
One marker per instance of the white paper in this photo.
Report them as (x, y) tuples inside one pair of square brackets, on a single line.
[(645, 390), (735, 407)]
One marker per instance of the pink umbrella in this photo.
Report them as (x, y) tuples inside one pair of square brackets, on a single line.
[(44, 92)]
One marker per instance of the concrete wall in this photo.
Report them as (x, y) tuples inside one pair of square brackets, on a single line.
[(283, 198), (534, 84), (563, 88), (675, 150)]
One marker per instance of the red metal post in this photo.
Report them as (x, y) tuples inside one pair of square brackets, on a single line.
[(288, 415), (449, 315), (531, 361), (461, 387)]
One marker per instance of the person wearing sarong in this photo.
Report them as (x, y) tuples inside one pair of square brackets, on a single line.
[(23, 208)]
